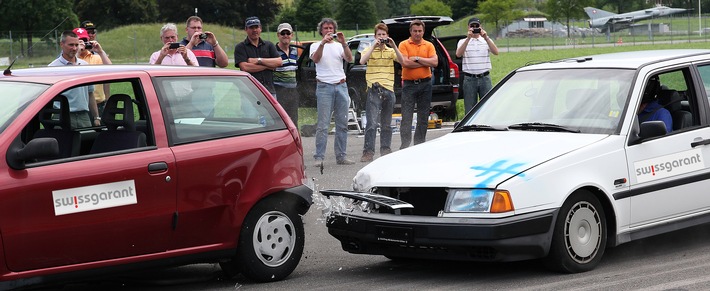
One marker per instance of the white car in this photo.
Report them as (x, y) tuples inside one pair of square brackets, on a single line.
[(555, 163)]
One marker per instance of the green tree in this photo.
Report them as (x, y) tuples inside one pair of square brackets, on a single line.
[(497, 11), (399, 7), (223, 12), (111, 14), (309, 13), (31, 18), (288, 15), (364, 18), (431, 7), (266, 10), (462, 7), (566, 9)]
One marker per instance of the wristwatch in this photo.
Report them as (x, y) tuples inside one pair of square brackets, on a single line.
[(416, 59), (258, 61), (97, 118)]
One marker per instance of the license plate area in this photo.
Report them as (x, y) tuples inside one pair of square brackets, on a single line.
[(395, 235)]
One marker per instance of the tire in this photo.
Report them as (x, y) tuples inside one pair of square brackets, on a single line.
[(270, 244), (580, 234)]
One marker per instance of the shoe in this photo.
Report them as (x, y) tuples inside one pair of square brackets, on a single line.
[(385, 151), (367, 157), (345, 161), (318, 163)]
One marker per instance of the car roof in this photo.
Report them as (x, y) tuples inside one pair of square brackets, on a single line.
[(51, 75), (362, 36), (399, 26), (622, 60)]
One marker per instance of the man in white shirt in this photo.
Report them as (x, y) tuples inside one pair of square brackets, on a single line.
[(476, 64)]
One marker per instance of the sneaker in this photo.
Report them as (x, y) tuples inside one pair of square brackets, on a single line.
[(345, 161), (385, 151), (318, 163), (367, 157)]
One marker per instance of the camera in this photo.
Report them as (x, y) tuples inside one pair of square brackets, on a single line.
[(476, 30), (174, 45), (203, 36), (384, 40), (334, 35), (88, 45)]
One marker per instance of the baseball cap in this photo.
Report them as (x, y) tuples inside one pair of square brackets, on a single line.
[(474, 20), (252, 21), (87, 24), (81, 33), (284, 26)]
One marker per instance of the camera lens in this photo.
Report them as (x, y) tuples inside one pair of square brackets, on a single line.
[(203, 36), (88, 45)]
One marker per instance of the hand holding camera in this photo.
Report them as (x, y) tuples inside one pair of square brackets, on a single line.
[(174, 45)]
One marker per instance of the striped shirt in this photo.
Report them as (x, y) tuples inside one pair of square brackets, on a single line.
[(285, 75), (476, 58), (380, 68)]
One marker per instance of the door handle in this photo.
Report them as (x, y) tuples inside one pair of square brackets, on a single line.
[(158, 167), (700, 142)]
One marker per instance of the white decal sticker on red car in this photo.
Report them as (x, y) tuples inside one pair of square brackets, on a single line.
[(81, 199)]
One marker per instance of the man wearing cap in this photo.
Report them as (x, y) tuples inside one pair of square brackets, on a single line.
[(285, 75), (256, 56), (90, 29), (93, 53), (82, 105), (476, 64), (207, 49)]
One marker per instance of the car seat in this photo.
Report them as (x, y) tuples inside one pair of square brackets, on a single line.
[(121, 131), (56, 124), (671, 100)]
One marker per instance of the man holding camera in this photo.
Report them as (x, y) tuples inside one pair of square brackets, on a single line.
[(332, 98), (380, 59), (92, 52), (256, 56), (172, 53), (203, 44), (475, 50)]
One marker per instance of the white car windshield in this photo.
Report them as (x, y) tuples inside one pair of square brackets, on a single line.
[(574, 100), (15, 97)]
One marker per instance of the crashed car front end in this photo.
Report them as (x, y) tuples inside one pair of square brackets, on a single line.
[(418, 228)]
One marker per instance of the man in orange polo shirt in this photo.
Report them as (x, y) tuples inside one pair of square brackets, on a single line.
[(419, 56)]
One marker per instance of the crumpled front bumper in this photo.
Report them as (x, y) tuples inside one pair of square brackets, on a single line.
[(514, 238)]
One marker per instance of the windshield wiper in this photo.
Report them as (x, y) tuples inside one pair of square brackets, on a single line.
[(478, 127), (538, 126)]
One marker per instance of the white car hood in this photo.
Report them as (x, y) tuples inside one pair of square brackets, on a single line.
[(469, 159)]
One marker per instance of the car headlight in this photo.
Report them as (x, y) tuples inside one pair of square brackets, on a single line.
[(479, 200)]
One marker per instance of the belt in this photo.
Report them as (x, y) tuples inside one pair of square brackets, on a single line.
[(476, 75), (339, 82), (417, 81)]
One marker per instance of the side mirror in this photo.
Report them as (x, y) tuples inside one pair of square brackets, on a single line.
[(38, 148), (651, 129)]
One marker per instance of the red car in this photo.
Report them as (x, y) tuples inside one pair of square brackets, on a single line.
[(187, 165)]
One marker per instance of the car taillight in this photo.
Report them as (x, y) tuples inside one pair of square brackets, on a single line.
[(452, 73)]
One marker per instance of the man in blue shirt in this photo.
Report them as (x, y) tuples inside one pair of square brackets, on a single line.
[(650, 109)]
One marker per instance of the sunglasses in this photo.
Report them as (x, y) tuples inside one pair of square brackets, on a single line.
[(285, 33), (475, 25)]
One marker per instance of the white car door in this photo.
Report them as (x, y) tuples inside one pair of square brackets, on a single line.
[(668, 174)]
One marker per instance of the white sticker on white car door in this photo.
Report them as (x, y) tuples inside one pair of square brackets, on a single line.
[(669, 165), (94, 197)]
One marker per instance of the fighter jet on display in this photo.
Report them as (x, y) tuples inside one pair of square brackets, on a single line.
[(612, 22)]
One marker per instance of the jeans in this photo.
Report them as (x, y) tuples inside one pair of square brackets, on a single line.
[(474, 89), (418, 94), (332, 100), (380, 104), (288, 98)]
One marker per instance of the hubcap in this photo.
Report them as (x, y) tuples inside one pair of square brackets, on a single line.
[(583, 232), (274, 238)]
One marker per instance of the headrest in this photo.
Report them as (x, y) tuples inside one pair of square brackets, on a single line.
[(670, 99), (651, 90), (119, 113), (56, 113)]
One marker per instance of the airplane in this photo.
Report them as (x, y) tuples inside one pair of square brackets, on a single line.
[(612, 22)]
